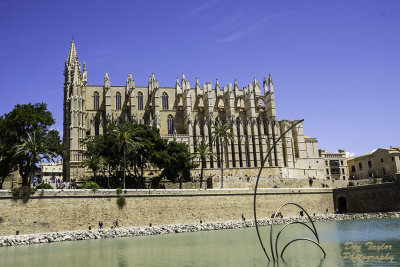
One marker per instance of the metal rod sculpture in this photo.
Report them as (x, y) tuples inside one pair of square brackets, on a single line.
[(313, 229)]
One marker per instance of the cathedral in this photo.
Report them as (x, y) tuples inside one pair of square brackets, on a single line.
[(186, 113)]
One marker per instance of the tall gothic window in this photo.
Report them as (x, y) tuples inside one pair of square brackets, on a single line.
[(164, 101), (118, 101), (140, 101), (170, 123), (96, 100)]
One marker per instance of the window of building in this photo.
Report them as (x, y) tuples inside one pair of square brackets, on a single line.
[(170, 124), (353, 168), (360, 166), (327, 171), (344, 177), (326, 162), (384, 171), (164, 101), (381, 160), (140, 101), (369, 164), (341, 162), (118, 101), (392, 158), (342, 171), (334, 163), (96, 98), (335, 170)]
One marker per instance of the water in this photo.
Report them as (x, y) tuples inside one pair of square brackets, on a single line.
[(239, 247)]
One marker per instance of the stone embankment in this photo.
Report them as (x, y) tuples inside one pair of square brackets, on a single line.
[(14, 240)]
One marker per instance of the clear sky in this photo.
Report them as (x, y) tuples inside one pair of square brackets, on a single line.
[(334, 63)]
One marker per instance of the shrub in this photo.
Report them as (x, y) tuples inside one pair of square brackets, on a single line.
[(351, 184), (374, 181), (23, 192), (44, 186), (121, 202), (90, 185), (119, 191)]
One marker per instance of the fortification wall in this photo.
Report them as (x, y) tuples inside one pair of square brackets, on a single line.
[(369, 198), (56, 210)]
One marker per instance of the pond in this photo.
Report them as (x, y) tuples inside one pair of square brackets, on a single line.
[(347, 243)]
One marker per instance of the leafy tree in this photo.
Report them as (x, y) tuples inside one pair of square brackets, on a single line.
[(15, 126), (32, 150), (93, 162), (141, 141), (151, 144), (223, 133), (203, 152), (175, 162), (125, 138)]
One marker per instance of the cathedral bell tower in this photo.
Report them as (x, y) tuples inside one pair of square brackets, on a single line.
[(74, 130)]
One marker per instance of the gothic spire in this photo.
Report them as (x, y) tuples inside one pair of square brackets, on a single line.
[(72, 55)]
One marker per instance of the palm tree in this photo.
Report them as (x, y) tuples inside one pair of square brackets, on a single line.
[(125, 138), (223, 133), (33, 149), (93, 162), (203, 152)]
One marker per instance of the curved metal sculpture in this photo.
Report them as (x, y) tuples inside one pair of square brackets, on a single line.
[(313, 229)]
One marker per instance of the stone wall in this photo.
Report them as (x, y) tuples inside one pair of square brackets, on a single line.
[(266, 182), (56, 210), (369, 198)]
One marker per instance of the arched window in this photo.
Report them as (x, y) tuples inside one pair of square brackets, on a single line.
[(170, 123), (164, 101), (96, 98), (118, 101), (140, 101)]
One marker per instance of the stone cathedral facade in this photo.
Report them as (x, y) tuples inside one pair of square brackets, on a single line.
[(186, 113)]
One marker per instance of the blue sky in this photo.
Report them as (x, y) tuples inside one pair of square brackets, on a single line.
[(334, 63)]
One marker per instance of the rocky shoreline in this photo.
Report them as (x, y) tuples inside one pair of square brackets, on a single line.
[(29, 239)]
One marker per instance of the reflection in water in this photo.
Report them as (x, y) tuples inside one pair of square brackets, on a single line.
[(238, 247)]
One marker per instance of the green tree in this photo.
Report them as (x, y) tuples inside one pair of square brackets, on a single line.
[(140, 158), (93, 162), (15, 126), (175, 162), (223, 133), (126, 140), (32, 150), (203, 152)]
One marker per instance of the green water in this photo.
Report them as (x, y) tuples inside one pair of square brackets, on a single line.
[(239, 247)]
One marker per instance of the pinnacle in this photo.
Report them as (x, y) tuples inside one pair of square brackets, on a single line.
[(72, 55)]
